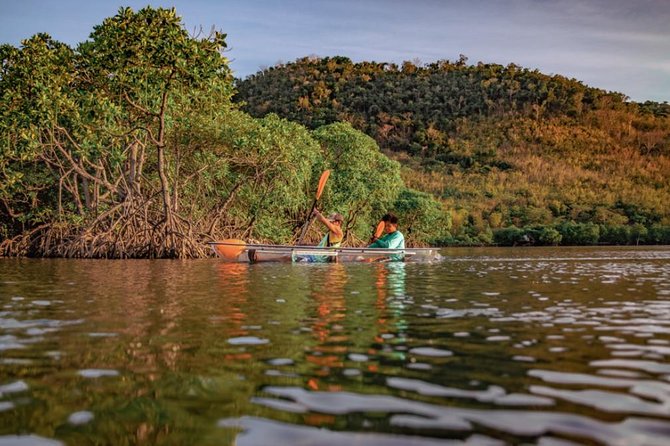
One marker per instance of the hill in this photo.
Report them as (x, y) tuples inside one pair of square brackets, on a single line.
[(514, 155)]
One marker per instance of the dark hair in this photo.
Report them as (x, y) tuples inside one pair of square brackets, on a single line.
[(390, 218)]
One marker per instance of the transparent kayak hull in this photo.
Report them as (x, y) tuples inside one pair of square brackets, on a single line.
[(238, 252)]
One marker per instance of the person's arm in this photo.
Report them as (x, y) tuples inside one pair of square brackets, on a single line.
[(331, 227), (389, 241), (382, 242)]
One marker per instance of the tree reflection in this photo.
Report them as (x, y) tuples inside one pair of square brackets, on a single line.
[(234, 283)]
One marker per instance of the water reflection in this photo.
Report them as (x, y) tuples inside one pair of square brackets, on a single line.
[(330, 338), (491, 347)]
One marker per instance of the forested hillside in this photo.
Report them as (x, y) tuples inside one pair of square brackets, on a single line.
[(513, 155)]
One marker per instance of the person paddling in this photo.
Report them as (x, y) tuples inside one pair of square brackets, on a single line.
[(333, 238), (392, 239)]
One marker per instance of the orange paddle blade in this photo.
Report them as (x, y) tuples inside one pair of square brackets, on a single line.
[(232, 248), (322, 183), (380, 229)]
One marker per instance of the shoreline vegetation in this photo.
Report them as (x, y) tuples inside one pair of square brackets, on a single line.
[(139, 143)]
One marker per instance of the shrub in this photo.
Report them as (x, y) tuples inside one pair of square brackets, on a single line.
[(615, 234), (546, 235), (579, 233), (638, 234), (509, 236), (659, 235)]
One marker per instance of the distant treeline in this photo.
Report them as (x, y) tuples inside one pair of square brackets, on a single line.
[(499, 146)]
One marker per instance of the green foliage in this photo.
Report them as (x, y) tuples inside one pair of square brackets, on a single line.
[(249, 174), (510, 236), (364, 183), (546, 236), (615, 235), (422, 216), (571, 233), (32, 81), (659, 235), (86, 130), (579, 233), (638, 234)]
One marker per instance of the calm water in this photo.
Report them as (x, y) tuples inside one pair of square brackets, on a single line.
[(491, 346)]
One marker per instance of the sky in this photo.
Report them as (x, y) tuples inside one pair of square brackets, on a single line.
[(616, 45)]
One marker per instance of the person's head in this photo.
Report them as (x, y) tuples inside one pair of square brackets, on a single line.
[(336, 218), (390, 223)]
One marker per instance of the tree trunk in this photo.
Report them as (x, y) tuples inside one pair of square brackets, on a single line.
[(170, 244)]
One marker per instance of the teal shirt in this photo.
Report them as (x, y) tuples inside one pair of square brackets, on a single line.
[(394, 240)]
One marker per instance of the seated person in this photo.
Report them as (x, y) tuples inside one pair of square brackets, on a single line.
[(332, 238), (392, 239)]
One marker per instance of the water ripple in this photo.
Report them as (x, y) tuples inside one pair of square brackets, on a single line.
[(434, 417)]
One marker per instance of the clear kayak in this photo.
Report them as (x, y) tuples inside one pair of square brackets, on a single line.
[(239, 251)]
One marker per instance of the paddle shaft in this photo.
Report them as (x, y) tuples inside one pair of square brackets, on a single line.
[(307, 224), (319, 191)]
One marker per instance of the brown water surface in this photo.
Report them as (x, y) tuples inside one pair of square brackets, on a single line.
[(551, 346)]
